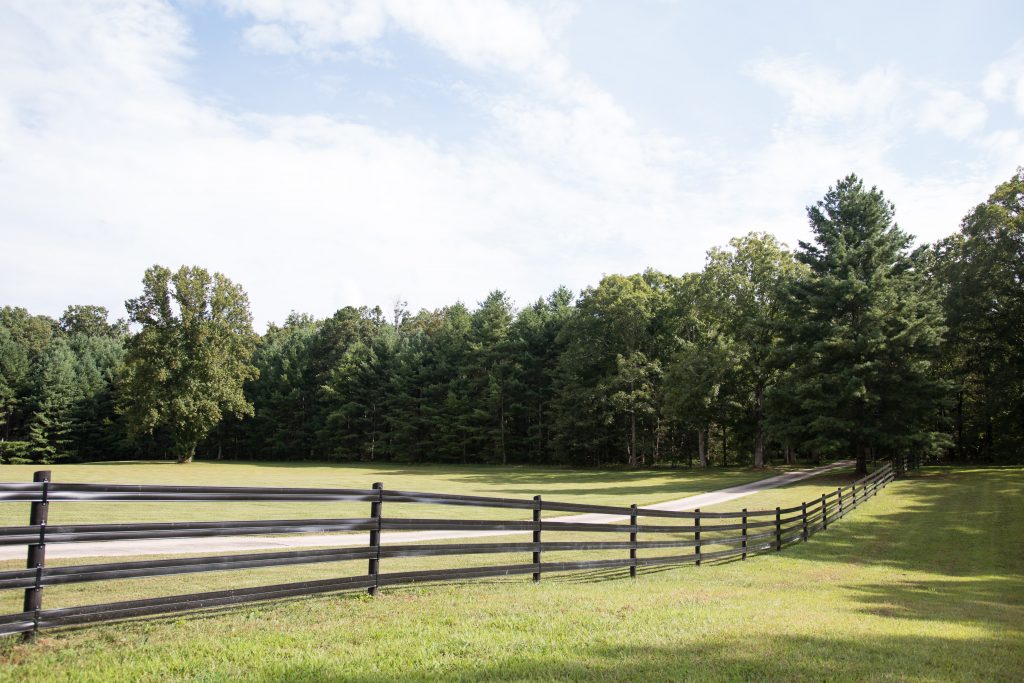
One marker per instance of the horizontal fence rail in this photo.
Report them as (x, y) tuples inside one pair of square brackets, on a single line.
[(701, 537)]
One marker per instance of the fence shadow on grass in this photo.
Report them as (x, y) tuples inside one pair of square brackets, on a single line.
[(938, 529), (778, 657), (994, 602), (727, 539)]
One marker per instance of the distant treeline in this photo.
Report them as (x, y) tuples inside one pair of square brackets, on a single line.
[(851, 345)]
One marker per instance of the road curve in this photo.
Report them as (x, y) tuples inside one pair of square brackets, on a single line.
[(237, 544)]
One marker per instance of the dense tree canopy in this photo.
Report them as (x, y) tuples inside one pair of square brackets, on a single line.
[(853, 345), (185, 368), (981, 274), (861, 335)]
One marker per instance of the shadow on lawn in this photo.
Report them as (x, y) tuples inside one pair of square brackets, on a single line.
[(555, 483), (996, 602), (777, 657), (559, 483), (941, 529)]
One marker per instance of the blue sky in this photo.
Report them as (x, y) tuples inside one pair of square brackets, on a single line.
[(347, 153)]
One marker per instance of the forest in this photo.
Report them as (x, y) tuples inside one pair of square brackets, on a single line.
[(852, 344)]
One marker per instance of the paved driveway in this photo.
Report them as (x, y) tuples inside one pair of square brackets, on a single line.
[(241, 544)]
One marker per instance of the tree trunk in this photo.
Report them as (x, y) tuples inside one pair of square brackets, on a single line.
[(657, 441), (725, 448), (632, 440), (702, 451), (540, 431), (504, 457), (960, 426), (186, 450), (758, 430), (373, 429), (988, 439), (862, 458)]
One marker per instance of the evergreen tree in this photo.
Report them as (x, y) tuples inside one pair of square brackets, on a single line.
[(56, 393), (863, 332), (14, 368), (981, 271), (492, 377), (97, 431), (356, 399), (535, 334)]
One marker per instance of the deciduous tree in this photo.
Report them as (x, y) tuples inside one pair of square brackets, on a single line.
[(187, 365)]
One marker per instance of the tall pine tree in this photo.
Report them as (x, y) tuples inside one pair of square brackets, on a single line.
[(863, 331)]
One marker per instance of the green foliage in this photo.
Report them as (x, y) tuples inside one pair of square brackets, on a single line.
[(879, 597), (862, 333), (15, 452), (723, 369), (835, 350), (56, 391), (91, 321), (186, 367), (981, 273), (613, 343)]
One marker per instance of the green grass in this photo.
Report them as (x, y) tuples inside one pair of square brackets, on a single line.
[(923, 583), (603, 487)]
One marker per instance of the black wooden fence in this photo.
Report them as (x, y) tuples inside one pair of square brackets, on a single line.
[(729, 534)]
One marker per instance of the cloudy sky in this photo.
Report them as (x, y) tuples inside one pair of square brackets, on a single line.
[(350, 152)]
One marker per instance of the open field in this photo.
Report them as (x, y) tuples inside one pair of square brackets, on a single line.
[(599, 487), (499, 482), (922, 583)]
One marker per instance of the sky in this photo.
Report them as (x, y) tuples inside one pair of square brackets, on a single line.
[(325, 154)]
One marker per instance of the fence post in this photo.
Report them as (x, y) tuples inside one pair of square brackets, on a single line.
[(36, 559), (744, 555), (375, 513), (632, 541), (536, 536), (853, 495), (840, 490), (778, 528), (696, 535), (824, 513), (803, 509)]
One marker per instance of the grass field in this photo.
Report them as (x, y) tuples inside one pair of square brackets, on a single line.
[(600, 487), (923, 583)]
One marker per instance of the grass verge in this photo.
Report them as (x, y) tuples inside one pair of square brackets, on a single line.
[(923, 583)]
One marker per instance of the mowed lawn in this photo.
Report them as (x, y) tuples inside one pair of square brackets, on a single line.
[(604, 487), (922, 583)]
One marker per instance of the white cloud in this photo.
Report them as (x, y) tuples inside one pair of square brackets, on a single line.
[(1004, 80), (316, 25), (271, 38), (109, 164), (839, 125), (954, 114), (819, 94), (481, 34), (118, 167)]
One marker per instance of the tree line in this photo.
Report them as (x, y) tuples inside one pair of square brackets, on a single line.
[(854, 344)]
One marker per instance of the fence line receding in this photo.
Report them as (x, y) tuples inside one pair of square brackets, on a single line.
[(729, 534)]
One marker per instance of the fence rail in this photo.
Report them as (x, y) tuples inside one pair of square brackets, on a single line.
[(728, 534)]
